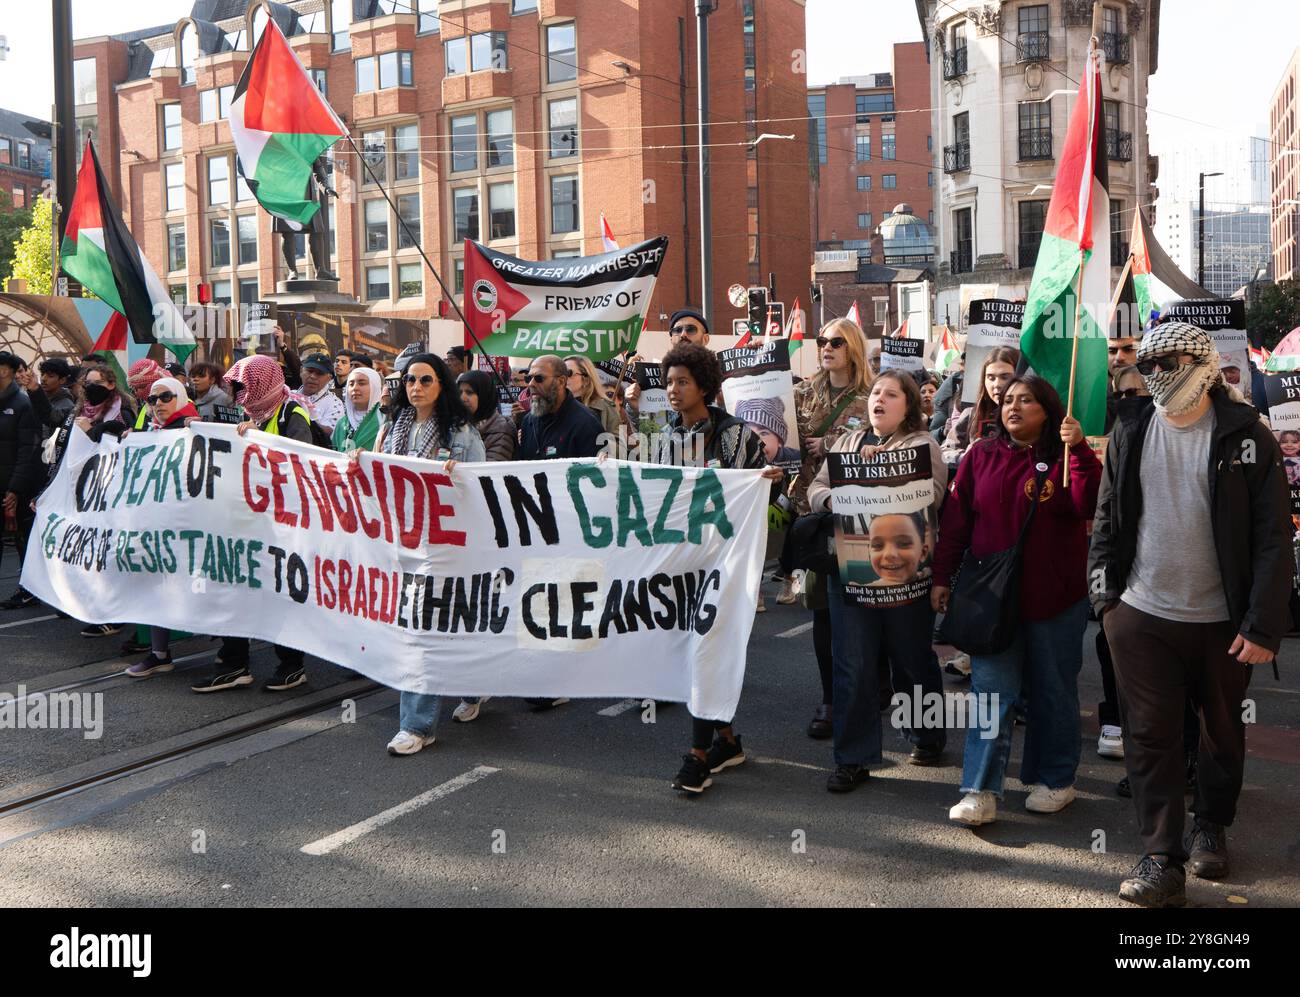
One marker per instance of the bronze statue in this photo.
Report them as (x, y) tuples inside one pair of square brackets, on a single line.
[(316, 230)]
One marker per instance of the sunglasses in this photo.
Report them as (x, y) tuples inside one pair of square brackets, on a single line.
[(577, 373), (679, 330), (537, 378), (1130, 392), (835, 343), (1165, 364), (165, 397), (424, 379)]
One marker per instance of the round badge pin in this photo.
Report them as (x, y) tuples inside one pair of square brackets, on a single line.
[(1040, 466)]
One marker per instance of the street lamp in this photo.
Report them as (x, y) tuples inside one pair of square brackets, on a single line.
[(1200, 230)]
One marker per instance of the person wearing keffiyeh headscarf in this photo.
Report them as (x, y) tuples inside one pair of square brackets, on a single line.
[(141, 376), (257, 384)]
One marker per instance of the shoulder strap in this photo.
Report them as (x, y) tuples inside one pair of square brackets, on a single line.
[(1039, 478), (836, 412)]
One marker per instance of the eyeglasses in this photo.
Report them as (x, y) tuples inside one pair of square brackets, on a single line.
[(1165, 364), (165, 397), (835, 343), (577, 373), (424, 379), (537, 378), (681, 330)]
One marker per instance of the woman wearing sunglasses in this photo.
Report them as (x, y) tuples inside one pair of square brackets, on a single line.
[(429, 422), (583, 382), (170, 408), (827, 405)]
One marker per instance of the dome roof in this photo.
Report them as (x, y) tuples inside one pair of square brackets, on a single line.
[(905, 236)]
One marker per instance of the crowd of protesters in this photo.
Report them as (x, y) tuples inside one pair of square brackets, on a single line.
[(1180, 547)]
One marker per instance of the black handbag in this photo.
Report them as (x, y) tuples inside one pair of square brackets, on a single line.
[(984, 605), (813, 537)]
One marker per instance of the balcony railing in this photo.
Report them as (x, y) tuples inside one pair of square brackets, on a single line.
[(959, 261), (954, 63), (1035, 143), (1033, 46), (1116, 48), (956, 157), (1119, 146), (1028, 255)]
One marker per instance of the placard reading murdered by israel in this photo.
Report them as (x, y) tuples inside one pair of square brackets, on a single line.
[(1283, 393), (1225, 320), (652, 411), (559, 578), (259, 327), (593, 306), (884, 525), (757, 387), (902, 353), (994, 322)]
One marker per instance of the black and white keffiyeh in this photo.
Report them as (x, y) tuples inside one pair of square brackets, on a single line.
[(426, 439), (1178, 391)]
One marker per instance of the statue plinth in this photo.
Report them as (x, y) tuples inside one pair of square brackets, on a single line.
[(314, 296)]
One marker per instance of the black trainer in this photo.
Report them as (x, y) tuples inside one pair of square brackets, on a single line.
[(922, 754), (820, 726), (285, 677), (1122, 788), (723, 754), (693, 777), (21, 599), (101, 629), (1207, 849), (225, 677), (1153, 883), (846, 778)]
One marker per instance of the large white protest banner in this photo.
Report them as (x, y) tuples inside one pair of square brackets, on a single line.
[(573, 578)]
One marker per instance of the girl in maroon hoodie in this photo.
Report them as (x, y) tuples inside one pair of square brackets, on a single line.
[(987, 507)]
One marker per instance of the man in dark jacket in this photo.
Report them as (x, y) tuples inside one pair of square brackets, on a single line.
[(559, 425), (19, 436), (51, 400), (1190, 572)]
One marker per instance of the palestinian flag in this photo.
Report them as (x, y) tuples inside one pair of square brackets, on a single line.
[(280, 124), (745, 339), (1073, 263), (1259, 356), (901, 331), (794, 328), (852, 316), (1154, 275), (1286, 354), (607, 240), (99, 250), (948, 352)]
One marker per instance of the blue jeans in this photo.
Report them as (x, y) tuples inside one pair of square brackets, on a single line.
[(418, 713), (1041, 669), (863, 640)]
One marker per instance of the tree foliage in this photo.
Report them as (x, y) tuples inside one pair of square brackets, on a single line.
[(32, 250), (1275, 313), (12, 224)]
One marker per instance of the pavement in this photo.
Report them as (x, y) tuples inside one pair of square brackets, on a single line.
[(566, 807)]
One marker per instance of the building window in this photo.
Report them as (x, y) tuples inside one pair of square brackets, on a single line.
[(214, 105), (564, 204), (429, 22), (929, 143), (465, 214), (566, 254), (864, 219), (520, 6), (882, 310), (864, 183), (246, 230), (318, 78), (888, 145), (219, 232), (501, 211), (456, 53), (341, 11), (218, 180), (564, 127), (500, 137), (1119, 235), (464, 143), (83, 82), (817, 112), (408, 210), (889, 181), (1036, 129), (957, 156), (1033, 214), (174, 174), (868, 104), (862, 146), (391, 69), (488, 51), (406, 152), (376, 226), (221, 293), (561, 53), (177, 293), (1032, 42), (365, 74), (171, 127), (375, 151), (410, 282), (175, 247), (377, 287), (929, 178), (458, 275), (248, 290), (18, 197), (931, 216), (964, 242)]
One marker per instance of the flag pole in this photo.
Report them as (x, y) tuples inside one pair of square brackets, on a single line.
[(423, 255), (1119, 289), (1074, 364)]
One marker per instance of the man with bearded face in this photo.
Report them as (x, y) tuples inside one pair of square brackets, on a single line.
[(1190, 571)]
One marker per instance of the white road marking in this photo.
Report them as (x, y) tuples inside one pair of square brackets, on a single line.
[(348, 835), (764, 760), (802, 628), (622, 706), (34, 619)]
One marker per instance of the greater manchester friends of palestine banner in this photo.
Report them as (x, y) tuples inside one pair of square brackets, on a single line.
[(593, 306), (564, 578)]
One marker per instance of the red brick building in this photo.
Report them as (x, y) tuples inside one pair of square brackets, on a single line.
[(516, 122), (24, 160), (875, 151)]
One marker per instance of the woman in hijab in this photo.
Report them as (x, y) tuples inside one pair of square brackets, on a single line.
[(360, 423), (479, 396), (172, 409)]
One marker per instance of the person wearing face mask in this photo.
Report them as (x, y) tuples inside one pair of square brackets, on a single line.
[(171, 408), (430, 423), (864, 638), (981, 420), (986, 511), (359, 424), (1190, 569)]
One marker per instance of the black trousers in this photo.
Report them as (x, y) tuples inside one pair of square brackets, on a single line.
[(234, 653), (1158, 665), (1110, 711)]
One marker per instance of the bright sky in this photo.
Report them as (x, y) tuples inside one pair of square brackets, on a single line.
[(1217, 70)]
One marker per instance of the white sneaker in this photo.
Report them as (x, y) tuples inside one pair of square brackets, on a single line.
[(762, 606), (1111, 742), (466, 712), (975, 809), (958, 664), (786, 596), (406, 743), (1042, 800)]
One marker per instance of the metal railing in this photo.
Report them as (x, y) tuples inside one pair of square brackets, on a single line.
[(1028, 254), (1116, 47), (954, 63), (1033, 46), (956, 157), (1118, 249), (1119, 146), (959, 261), (1035, 143)]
